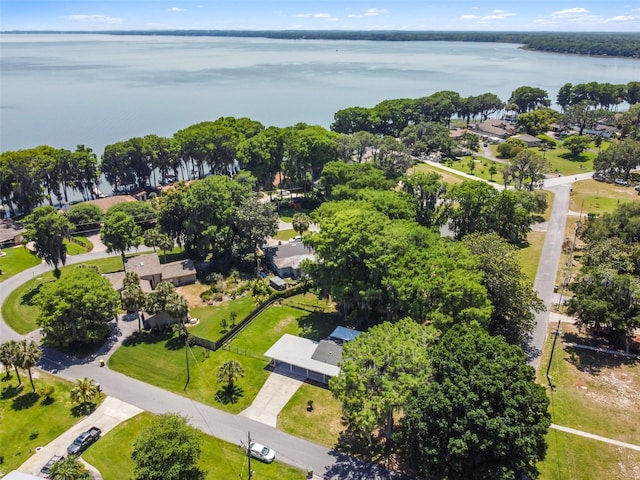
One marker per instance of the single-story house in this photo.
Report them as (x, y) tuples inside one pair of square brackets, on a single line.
[(529, 140), (148, 267), (11, 233), (310, 359), (117, 282), (495, 128), (179, 273), (285, 259)]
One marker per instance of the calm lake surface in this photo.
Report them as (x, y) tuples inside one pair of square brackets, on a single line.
[(64, 90)]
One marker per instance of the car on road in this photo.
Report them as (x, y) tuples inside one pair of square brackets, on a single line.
[(46, 469), (261, 452), (83, 440)]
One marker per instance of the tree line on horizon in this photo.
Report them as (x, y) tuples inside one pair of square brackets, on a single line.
[(31, 177), (578, 43)]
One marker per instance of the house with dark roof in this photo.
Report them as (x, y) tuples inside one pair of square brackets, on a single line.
[(309, 359), (529, 140), (495, 128), (285, 259)]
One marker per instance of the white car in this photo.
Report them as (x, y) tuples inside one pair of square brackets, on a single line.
[(262, 453)]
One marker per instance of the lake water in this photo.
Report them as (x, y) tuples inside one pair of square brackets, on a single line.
[(64, 90)]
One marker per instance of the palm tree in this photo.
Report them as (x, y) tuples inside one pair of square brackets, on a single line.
[(84, 391), (28, 357), (165, 243), (68, 469), (7, 357), (177, 306), (11, 357), (133, 298), (230, 371)]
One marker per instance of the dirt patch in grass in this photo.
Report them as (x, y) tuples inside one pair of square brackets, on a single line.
[(192, 293)]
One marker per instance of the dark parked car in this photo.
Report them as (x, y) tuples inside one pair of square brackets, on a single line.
[(83, 441), (44, 471)]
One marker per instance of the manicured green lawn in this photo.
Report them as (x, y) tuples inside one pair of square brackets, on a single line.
[(73, 248), (15, 260), (530, 255), (159, 359), (563, 163), (480, 167), (210, 316), (285, 235), (321, 425), (286, 213), (20, 311), (27, 420), (112, 455)]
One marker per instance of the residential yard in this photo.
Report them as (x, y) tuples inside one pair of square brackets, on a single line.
[(210, 316), (597, 393), (78, 245), (20, 311), (112, 455), (286, 213), (447, 177), (28, 420), (159, 359), (322, 424), (15, 260), (285, 235)]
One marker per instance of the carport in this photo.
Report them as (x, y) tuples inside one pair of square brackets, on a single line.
[(296, 354)]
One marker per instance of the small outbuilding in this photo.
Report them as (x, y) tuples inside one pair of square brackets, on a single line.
[(278, 283)]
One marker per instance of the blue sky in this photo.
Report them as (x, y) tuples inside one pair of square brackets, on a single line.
[(477, 15)]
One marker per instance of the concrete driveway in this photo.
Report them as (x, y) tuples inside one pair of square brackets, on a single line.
[(272, 397), (108, 415)]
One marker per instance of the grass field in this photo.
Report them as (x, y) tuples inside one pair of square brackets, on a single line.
[(16, 260), (159, 359), (447, 177), (321, 425), (591, 196), (597, 393), (285, 235), (112, 455), (20, 310), (28, 420)]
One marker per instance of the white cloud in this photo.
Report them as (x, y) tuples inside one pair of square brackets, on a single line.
[(177, 9), (313, 15), (469, 17), (623, 18), (104, 19), (372, 12), (569, 13), (494, 15)]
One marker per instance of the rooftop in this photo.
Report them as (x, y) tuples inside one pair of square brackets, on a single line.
[(144, 265), (299, 351)]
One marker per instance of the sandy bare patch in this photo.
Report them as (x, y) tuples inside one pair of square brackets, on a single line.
[(192, 293)]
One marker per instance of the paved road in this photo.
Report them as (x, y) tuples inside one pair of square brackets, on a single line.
[(294, 451)]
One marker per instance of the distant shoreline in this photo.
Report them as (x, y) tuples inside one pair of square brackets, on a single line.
[(599, 44)]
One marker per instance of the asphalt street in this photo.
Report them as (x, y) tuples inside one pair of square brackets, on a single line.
[(233, 428)]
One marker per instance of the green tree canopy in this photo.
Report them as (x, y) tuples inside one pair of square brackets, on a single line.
[(379, 371), (120, 232), (48, 229), (85, 216), (167, 450), (510, 292), (480, 416), (76, 307)]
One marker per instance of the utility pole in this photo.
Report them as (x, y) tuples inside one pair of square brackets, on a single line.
[(249, 454)]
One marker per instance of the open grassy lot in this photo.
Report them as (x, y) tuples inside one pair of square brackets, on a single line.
[(112, 455), (286, 213), (28, 420), (563, 163), (480, 168), (79, 245), (322, 424), (597, 393), (591, 196), (578, 458), (20, 311), (285, 235), (447, 177), (159, 359), (16, 260)]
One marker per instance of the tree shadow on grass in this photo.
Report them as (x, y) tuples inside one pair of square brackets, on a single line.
[(83, 409), (317, 325), (148, 338), (228, 395), (11, 391), (27, 400), (29, 297), (593, 362)]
